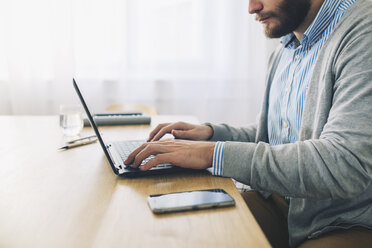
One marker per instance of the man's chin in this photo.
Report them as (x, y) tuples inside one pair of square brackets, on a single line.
[(275, 32)]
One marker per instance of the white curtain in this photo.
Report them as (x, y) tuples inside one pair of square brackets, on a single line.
[(201, 57)]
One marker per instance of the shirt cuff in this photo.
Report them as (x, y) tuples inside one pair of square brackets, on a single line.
[(217, 168)]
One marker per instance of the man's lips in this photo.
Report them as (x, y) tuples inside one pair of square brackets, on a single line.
[(263, 19)]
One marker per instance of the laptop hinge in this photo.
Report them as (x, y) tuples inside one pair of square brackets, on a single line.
[(114, 158)]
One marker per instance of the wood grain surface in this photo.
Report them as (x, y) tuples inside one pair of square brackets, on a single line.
[(50, 198)]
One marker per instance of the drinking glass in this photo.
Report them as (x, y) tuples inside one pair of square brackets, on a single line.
[(71, 119)]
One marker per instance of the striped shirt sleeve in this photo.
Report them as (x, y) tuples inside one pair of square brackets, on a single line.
[(218, 158)]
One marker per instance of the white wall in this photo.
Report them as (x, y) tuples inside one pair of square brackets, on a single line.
[(202, 57)]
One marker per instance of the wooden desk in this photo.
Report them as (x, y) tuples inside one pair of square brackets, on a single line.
[(73, 199)]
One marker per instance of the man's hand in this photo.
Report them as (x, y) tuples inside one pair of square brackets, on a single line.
[(182, 153), (181, 130)]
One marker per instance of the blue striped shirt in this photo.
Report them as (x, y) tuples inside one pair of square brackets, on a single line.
[(292, 76)]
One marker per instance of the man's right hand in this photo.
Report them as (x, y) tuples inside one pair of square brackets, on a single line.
[(181, 130)]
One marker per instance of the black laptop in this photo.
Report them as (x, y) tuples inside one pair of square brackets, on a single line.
[(117, 151)]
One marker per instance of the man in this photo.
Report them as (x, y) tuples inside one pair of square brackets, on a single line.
[(312, 144)]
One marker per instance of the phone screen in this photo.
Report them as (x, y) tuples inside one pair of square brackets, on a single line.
[(190, 200)]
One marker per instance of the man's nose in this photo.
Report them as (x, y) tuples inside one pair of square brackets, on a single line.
[(255, 6)]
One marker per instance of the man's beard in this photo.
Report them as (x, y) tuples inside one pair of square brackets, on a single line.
[(290, 13)]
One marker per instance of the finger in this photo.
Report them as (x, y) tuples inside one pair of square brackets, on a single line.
[(158, 159), (151, 149), (133, 154), (163, 131), (168, 129), (156, 130), (180, 134)]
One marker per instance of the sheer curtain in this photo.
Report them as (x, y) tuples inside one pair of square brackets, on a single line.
[(201, 57)]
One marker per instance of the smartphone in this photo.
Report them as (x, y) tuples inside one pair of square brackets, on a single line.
[(189, 200)]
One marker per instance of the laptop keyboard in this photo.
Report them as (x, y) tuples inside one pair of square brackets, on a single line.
[(126, 147)]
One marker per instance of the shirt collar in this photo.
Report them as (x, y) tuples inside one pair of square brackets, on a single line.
[(290, 41), (317, 27)]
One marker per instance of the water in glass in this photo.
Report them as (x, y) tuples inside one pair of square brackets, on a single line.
[(71, 120)]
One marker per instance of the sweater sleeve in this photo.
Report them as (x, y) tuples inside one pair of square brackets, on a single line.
[(337, 163), (224, 132)]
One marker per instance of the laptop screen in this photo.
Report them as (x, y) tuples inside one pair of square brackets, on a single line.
[(93, 124)]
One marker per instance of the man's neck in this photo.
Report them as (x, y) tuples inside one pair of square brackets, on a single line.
[(314, 9)]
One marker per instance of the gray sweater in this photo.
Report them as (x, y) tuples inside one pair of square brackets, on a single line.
[(328, 172)]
